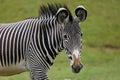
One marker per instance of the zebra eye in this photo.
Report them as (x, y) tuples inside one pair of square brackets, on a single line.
[(65, 36)]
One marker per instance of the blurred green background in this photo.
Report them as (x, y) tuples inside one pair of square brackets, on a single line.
[(101, 38)]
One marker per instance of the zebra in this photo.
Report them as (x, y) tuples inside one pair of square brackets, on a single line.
[(33, 43)]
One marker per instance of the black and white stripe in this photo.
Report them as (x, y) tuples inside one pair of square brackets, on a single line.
[(32, 44), (36, 38), (13, 42)]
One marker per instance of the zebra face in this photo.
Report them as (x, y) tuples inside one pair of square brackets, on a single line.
[(72, 37), (72, 40)]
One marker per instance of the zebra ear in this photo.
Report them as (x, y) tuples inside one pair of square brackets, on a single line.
[(81, 13), (62, 15)]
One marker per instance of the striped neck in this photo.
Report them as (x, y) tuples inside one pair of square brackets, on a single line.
[(48, 38)]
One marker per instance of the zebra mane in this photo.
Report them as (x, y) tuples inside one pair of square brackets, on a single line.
[(50, 10)]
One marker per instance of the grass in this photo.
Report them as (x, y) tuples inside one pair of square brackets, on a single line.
[(99, 64), (101, 40)]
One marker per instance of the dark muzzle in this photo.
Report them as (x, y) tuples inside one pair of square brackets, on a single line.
[(76, 68)]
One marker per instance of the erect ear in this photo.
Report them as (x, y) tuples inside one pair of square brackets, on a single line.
[(62, 15), (81, 13)]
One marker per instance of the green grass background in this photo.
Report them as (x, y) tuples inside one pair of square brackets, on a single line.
[(101, 38)]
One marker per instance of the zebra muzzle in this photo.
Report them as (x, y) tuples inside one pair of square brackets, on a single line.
[(77, 65)]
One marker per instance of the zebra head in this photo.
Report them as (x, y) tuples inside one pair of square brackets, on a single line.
[(72, 35)]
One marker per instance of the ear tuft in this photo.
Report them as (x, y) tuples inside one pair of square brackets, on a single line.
[(62, 15), (81, 13)]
